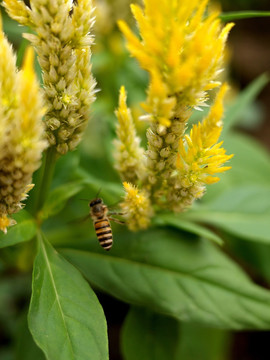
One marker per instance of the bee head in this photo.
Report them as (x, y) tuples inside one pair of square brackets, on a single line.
[(96, 201)]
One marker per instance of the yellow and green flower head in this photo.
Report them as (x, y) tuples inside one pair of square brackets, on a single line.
[(136, 207), (62, 40), (200, 157), (181, 45), (22, 132), (128, 153)]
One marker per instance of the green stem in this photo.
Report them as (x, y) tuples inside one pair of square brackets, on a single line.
[(44, 180), (236, 15)]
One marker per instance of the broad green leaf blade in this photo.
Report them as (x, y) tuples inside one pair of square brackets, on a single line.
[(24, 230), (112, 192), (236, 15), (65, 317), (236, 111), (243, 211), (189, 280), (66, 168), (251, 161), (202, 343), (178, 222), (59, 197), (250, 165), (149, 336), (20, 53), (13, 29)]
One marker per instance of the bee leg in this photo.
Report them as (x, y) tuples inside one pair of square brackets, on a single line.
[(116, 220), (116, 213)]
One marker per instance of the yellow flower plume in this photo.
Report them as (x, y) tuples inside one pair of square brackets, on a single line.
[(61, 36), (136, 207), (204, 157), (21, 129), (128, 153), (6, 222), (182, 45)]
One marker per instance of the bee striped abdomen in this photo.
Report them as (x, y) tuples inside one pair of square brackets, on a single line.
[(104, 233)]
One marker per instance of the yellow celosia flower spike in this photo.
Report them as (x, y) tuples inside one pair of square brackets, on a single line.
[(31, 105), (128, 153), (62, 42), (202, 157), (19, 11), (181, 45), (136, 207), (22, 131)]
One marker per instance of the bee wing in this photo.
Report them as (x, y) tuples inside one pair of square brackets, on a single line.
[(116, 220), (114, 210), (79, 220)]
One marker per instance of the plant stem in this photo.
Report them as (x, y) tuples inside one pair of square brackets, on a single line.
[(44, 180), (235, 15)]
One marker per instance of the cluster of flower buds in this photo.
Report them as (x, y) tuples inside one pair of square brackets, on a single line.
[(182, 47), (62, 41), (22, 132), (32, 118)]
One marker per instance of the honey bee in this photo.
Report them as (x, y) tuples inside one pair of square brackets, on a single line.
[(101, 217)]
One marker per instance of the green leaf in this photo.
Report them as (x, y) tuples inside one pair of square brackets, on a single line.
[(66, 168), (24, 230), (111, 191), (178, 222), (189, 280), (243, 211), (236, 111), (149, 336), (202, 343), (59, 197), (65, 317), (20, 53), (250, 165), (251, 161), (13, 29), (236, 15)]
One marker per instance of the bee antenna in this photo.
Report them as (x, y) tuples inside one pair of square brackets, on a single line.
[(98, 192)]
